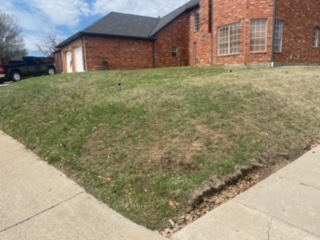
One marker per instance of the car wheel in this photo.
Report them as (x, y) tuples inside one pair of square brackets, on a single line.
[(16, 76), (51, 71)]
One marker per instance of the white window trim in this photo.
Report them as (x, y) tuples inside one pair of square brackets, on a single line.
[(197, 20), (266, 38), (229, 40), (175, 51), (316, 37)]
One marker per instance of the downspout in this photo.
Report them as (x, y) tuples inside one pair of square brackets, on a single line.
[(275, 7), (84, 54), (212, 34)]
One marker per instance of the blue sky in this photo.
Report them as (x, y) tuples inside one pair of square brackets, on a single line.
[(63, 18)]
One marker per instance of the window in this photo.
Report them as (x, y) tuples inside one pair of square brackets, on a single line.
[(36, 61), (197, 20), (316, 37), (229, 39), (258, 35), (175, 52), (278, 36)]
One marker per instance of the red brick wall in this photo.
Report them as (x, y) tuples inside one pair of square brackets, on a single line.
[(175, 34), (200, 42), (120, 53), (201, 48), (58, 61), (300, 17), (232, 11)]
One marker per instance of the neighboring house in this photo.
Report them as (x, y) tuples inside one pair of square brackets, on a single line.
[(201, 32)]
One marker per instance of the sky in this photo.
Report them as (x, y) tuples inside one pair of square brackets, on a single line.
[(63, 18)]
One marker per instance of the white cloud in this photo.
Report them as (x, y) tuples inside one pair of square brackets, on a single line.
[(50, 12), (62, 12), (38, 18), (30, 41), (142, 7)]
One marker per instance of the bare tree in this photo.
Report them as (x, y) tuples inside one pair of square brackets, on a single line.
[(11, 41), (48, 46)]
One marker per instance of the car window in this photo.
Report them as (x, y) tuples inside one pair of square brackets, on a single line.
[(37, 61)]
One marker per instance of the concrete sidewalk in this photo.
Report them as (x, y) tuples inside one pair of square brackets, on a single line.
[(39, 202), (284, 206)]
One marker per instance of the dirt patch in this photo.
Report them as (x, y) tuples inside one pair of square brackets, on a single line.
[(220, 190), (177, 154), (174, 154)]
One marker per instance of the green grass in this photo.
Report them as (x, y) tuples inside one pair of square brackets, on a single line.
[(166, 133)]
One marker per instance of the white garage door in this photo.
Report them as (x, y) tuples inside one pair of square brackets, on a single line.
[(79, 59), (69, 61)]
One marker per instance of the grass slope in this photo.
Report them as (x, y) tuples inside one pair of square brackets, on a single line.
[(146, 149)]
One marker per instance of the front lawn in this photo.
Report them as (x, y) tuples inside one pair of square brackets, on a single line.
[(146, 149)]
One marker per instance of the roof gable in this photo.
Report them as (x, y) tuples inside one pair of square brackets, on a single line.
[(167, 19), (130, 26)]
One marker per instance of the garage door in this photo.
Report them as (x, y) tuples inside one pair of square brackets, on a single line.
[(79, 59), (69, 61)]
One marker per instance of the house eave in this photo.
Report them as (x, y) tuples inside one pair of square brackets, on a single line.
[(186, 10), (68, 40), (82, 34), (116, 36)]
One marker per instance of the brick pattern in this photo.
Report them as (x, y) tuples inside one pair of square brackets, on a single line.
[(120, 53), (174, 35), (201, 47), (300, 17), (200, 43), (259, 9)]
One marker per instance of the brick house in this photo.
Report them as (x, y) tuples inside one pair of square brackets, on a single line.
[(201, 32)]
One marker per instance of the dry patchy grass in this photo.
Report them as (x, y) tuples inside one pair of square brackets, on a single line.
[(166, 133)]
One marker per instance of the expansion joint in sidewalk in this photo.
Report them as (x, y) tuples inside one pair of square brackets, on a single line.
[(274, 218), (37, 214), (299, 182)]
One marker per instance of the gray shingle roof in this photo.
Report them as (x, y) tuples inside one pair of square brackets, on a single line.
[(164, 21), (130, 26), (120, 24)]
